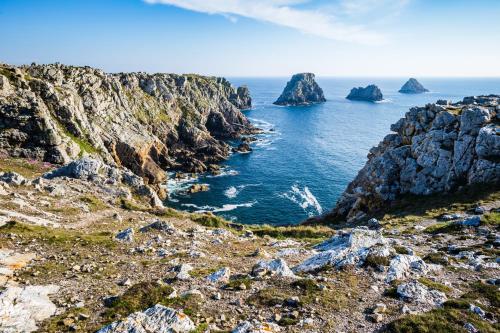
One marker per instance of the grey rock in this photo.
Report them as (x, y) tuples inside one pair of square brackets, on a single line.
[(13, 178), (302, 89), (370, 93), (412, 86), (435, 149), (126, 235), (222, 275), (473, 221), (85, 168), (276, 267)]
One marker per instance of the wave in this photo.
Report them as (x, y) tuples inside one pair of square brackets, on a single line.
[(224, 208), (260, 123), (224, 172), (305, 199), (232, 191)]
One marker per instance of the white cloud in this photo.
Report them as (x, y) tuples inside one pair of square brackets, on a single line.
[(284, 13)]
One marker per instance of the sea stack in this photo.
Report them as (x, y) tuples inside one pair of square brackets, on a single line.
[(412, 86), (302, 89), (370, 93)]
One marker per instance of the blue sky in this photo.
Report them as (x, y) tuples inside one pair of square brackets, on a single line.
[(258, 37)]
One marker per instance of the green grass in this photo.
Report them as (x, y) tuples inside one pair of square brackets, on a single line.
[(376, 261), (492, 219), (488, 292), (435, 285), (436, 258), (94, 203), (401, 249), (451, 318), (297, 232), (236, 282), (58, 236), (209, 220), (27, 168), (144, 295), (132, 206), (443, 228)]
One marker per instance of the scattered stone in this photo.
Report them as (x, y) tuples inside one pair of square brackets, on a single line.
[(479, 210), (256, 327), (403, 266), (380, 308), (471, 328), (13, 178), (159, 225), (473, 221), (376, 317), (155, 319), (373, 223), (242, 148), (477, 310)]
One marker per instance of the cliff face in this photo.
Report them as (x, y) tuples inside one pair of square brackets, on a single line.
[(434, 149), (302, 89), (145, 122)]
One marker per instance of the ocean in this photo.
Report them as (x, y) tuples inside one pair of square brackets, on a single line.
[(308, 155)]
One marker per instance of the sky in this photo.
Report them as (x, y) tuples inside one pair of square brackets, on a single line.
[(259, 38)]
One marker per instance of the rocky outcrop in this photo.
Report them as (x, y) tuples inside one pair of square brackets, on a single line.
[(370, 93), (302, 89), (412, 86), (145, 122), (434, 149)]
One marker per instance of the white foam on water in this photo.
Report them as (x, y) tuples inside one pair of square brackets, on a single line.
[(304, 198), (224, 208), (224, 172), (232, 191)]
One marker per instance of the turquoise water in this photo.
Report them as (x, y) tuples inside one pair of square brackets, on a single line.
[(300, 168)]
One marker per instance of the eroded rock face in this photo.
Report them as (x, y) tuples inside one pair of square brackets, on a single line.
[(145, 122), (370, 93), (156, 319), (412, 86), (434, 149), (302, 89)]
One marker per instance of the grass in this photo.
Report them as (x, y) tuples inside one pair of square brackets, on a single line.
[(269, 297), (297, 232), (435, 285), (58, 236), (485, 291), (132, 206), (492, 219), (235, 283), (209, 220), (376, 261), (144, 295), (401, 249), (94, 203), (27, 168), (409, 208), (436, 258), (443, 228)]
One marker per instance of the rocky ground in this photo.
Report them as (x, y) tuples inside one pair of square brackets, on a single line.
[(82, 249)]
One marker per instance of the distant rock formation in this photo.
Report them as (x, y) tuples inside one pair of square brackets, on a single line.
[(370, 93), (145, 122), (302, 89), (412, 86), (435, 149), (241, 98)]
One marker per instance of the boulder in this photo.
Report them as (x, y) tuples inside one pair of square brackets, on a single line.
[(155, 319), (412, 86), (416, 292), (126, 235), (222, 275), (242, 148), (86, 168), (23, 307), (182, 271), (276, 267), (13, 178), (403, 266), (302, 89), (370, 93), (346, 249)]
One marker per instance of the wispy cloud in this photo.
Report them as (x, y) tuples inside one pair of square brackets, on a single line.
[(287, 13)]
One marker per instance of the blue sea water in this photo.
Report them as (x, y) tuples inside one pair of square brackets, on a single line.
[(309, 154)]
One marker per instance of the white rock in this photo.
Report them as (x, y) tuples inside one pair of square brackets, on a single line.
[(22, 307), (403, 265), (351, 248), (155, 319), (256, 327), (183, 272), (276, 267), (414, 291), (222, 275)]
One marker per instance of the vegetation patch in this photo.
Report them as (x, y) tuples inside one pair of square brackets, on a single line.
[(209, 220), (235, 283), (93, 202), (492, 219), (24, 167), (434, 285), (436, 258), (376, 261), (297, 232), (443, 228)]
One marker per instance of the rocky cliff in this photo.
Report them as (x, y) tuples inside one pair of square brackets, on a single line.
[(145, 122), (302, 89), (370, 93), (412, 86), (435, 149)]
